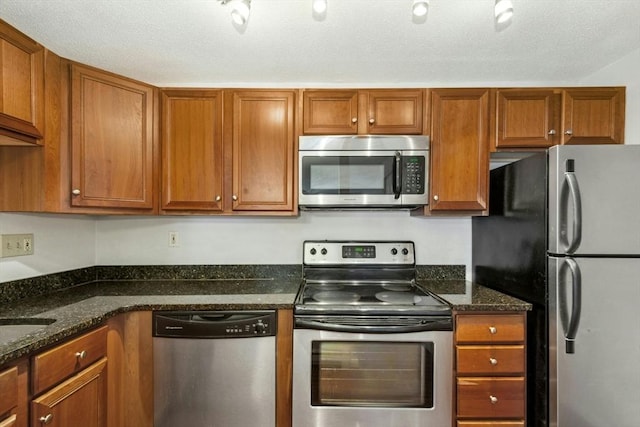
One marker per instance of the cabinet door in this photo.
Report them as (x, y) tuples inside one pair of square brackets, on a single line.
[(79, 401), (330, 112), (394, 112), (263, 150), (111, 141), (192, 150), (593, 116), (527, 118), (459, 149), (21, 88)]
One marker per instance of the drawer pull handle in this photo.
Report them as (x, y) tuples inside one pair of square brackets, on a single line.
[(493, 361), (493, 329), (46, 419), (493, 400), (81, 354)]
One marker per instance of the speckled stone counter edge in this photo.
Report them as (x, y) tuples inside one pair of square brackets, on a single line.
[(40, 285)]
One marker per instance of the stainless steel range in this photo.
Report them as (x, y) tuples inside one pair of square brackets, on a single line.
[(370, 346)]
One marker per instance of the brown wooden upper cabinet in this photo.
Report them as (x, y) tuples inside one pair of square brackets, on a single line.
[(459, 150), (541, 118), (192, 157), (263, 148), (112, 140), (375, 111), (21, 88), (527, 118), (593, 115)]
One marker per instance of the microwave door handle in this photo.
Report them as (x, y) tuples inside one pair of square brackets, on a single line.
[(397, 175)]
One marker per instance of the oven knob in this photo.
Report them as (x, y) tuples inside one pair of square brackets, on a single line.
[(313, 251), (394, 251), (323, 251), (405, 251)]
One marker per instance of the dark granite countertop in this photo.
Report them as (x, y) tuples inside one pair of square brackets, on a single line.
[(463, 295), (81, 307), (77, 308)]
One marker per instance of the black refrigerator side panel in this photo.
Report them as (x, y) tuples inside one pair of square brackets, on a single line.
[(509, 254), (509, 246)]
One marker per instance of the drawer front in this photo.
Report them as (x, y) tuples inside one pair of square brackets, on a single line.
[(10, 421), (490, 424), (507, 328), (62, 361), (490, 360), (8, 389), (491, 397)]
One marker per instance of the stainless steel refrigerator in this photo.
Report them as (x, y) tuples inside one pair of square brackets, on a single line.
[(563, 232)]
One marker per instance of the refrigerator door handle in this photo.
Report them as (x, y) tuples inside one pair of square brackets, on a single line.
[(574, 190), (570, 322)]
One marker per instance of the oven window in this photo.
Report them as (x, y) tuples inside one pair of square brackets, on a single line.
[(368, 373), (347, 175)]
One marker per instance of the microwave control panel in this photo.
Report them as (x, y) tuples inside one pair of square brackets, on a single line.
[(413, 168)]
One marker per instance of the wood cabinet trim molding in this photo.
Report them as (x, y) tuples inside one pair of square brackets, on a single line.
[(26, 127)]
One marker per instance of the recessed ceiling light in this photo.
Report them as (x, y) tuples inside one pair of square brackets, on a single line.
[(319, 6), (503, 11), (420, 8)]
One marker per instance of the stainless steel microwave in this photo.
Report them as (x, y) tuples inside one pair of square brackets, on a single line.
[(363, 171)]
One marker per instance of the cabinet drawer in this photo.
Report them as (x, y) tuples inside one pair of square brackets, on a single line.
[(64, 360), (490, 328), (491, 397), (490, 424), (10, 421), (8, 389), (490, 360)]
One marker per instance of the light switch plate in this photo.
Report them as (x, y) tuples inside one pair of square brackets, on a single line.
[(16, 244)]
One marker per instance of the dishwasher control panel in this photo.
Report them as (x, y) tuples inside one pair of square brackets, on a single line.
[(214, 324)]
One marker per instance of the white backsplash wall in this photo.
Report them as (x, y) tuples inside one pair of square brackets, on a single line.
[(61, 243), (269, 240)]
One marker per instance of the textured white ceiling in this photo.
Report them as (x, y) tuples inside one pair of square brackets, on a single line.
[(358, 43)]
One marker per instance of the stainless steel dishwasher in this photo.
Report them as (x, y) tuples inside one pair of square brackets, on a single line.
[(214, 368)]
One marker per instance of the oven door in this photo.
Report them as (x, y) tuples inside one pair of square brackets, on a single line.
[(373, 380), (362, 178)]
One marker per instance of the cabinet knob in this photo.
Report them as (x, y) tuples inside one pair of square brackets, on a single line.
[(493, 329), (75, 192), (218, 198), (235, 198), (568, 132), (493, 399), (46, 419), (493, 361), (552, 132), (354, 120), (435, 197), (372, 121), (81, 354)]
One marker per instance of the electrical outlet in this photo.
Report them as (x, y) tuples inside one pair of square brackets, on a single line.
[(173, 239), (16, 244)]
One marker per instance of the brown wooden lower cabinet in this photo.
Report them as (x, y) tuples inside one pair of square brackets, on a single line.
[(78, 401), (490, 369)]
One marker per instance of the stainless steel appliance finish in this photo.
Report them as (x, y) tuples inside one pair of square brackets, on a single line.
[(363, 171), (214, 369), (582, 279), (370, 347)]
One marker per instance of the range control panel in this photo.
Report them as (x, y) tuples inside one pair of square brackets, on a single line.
[(214, 324), (324, 252)]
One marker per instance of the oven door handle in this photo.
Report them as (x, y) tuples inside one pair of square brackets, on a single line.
[(430, 325), (397, 175)]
